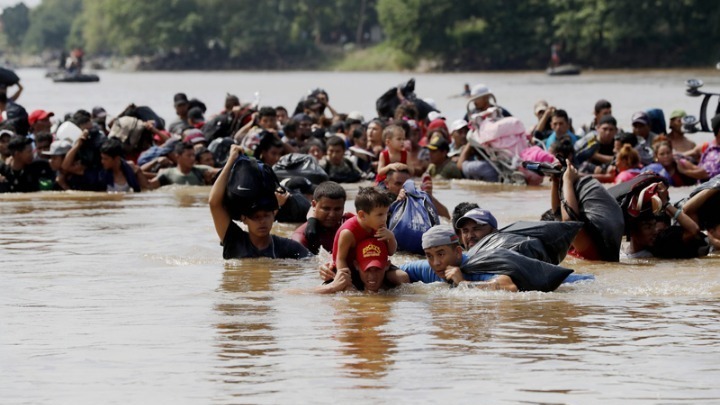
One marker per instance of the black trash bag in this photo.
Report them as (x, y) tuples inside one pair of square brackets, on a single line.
[(410, 218), (144, 113), (526, 246), (389, 101), (541, 240), (220, 149), (527, 274), (556, 237), (8, 77), (251, 186), (602, 216), (708, 213), (221, 126), (300, 165), (624, 192), (294, 210)]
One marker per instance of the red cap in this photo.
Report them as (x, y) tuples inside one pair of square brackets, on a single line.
[(371, 253), (38, 115)]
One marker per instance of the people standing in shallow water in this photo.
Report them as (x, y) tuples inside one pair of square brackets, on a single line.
[(328, 206), (258, 240)]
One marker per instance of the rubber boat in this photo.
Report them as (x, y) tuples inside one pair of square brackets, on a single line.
[(564, 70), (75, 78)]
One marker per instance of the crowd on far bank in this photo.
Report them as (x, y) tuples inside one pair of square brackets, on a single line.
[(268, 164)]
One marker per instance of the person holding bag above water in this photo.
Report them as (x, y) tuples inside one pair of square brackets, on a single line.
[(258, 216)]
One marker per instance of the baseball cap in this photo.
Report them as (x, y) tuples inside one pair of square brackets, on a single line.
[(458, 125), (640, 117), (58, 148), (433, 115), (480, 216), (438, 142), (541, 105), (180, 99), (38, 115), (677, 114), (439, 235), (371, 253), (193, 136)]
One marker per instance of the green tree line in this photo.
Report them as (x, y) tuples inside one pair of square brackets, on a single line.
[(473, 34)]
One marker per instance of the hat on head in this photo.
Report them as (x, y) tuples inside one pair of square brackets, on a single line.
[(434, 115), (607, 119), (193, 136), (438, 142), (541, 105), (355, 116), (640, 117), (180, 99), (677, 114), (458, 125), (437, 123), (480, 216), (99, 112), (196, 114), (439, 235), (480, 90), (6, 133), (38, 115), (58, 148), (371, 253)]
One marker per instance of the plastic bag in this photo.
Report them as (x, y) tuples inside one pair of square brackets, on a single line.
[(411, 217), (300, 165)]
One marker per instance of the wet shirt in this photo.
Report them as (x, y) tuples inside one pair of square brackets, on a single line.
[(173, 175), (237, 245), (34, 177), (420, 271), (321, 237)]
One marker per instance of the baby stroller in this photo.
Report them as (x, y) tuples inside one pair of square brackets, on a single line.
[(500, 141)]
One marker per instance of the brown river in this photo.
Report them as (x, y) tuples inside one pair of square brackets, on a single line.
[(125, 299)]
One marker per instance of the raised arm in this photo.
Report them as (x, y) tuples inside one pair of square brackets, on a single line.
[(220, 215), (68, 164)]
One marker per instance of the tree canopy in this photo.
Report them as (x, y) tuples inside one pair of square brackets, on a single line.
[(473, 34)]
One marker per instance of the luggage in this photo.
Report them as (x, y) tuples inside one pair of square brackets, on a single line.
[(300, 165), (251, 186), (411, 217)]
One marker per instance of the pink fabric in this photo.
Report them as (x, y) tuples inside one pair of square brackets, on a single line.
[(537, 154), (625, 176)]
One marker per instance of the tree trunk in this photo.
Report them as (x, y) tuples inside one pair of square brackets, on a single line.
[(361, 21)]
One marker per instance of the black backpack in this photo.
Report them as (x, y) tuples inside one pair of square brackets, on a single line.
[(251, 186)]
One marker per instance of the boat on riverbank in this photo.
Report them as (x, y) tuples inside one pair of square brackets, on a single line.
[(564, 70)]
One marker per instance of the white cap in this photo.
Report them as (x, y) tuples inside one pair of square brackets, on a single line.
[(68, 130), (457, 125), (480, 90), (433, 115)]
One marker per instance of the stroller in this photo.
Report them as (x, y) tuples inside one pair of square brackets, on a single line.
[(500, 141)]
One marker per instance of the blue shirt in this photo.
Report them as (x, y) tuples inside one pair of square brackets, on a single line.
[(420, 270), (551, 139)]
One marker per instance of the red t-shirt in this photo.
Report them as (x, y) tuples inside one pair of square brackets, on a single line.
[(386, 154), (358, 232)]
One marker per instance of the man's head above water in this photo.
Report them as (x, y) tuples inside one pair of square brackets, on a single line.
[(475, 225)]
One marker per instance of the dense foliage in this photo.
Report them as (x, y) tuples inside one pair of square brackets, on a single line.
[(473, 34)]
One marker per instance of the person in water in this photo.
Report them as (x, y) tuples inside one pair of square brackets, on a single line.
[(257, 241), (328, 205), (475, 225), (371, 263)]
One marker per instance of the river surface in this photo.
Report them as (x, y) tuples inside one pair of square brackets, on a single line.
[(124, 299)]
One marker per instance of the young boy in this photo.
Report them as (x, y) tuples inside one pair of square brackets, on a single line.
[(328, 203), (371, 221), (339, 168), (394, 139), (257, 241)]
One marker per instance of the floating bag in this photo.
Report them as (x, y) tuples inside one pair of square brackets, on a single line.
[(412, 217), (8, 77), (602, 216), (300, 165), (526, 246), (555, 238), (527, 274), (251, 186)]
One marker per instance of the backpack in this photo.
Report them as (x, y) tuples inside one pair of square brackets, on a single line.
[(221, 126), (130, 131), (144, 113), (412, 217), (628, 193), (300, 165), (710, 160), (251, 186)]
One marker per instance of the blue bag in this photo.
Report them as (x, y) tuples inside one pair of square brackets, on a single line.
[(411, 217)]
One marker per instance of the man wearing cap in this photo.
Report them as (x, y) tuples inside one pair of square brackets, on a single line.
[(39, 122), (182, 106), (542, 111), (676, 135), (444, 258), (458, 133), (55, 156), (480, 97), (371, 262), (440, 164), (475, 225), (641, 129), (24, 174)]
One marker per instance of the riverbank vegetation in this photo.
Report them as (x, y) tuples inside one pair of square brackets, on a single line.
[(371, 34)]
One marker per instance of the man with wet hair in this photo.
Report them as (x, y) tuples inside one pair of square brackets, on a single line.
[(326, 217), (24, 174), (602, 108), (182, 106)]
